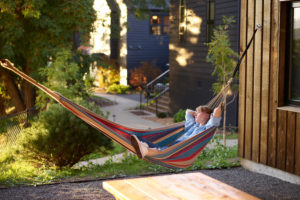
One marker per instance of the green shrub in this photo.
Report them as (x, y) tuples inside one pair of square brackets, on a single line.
[(161, 115), (179, 116), (117, 89), (60, 138)]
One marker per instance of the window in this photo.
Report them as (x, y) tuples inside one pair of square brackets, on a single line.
[(182, 20), (293, 55), (210, 19), (159, 25)]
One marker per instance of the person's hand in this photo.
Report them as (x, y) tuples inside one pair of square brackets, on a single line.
[(218, 111), (194, 113)]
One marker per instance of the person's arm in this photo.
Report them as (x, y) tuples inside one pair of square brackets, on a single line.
[(188, 111), (189, 116), (218, 111)]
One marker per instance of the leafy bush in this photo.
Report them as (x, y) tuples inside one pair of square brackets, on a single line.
[(117, 89), (179, 116), (108, 73), (60, 138), (140, 76), (161, 115), (63, 76)]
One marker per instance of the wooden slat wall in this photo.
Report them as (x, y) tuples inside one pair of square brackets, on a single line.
[(242, 89), (267, 135)]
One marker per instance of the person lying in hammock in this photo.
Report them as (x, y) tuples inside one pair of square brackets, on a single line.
[(196, 121)]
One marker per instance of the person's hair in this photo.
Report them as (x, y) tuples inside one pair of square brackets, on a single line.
[(205, 109)]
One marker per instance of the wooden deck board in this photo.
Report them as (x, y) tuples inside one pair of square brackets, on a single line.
[(178, 186)]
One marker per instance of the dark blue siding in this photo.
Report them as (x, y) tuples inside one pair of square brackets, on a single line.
[(142, 46), (190, 86)]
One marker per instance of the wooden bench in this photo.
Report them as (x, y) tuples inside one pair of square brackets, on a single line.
[(187, 186)]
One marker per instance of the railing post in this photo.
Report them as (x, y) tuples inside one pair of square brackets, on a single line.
[(156, 106), (141, 99)]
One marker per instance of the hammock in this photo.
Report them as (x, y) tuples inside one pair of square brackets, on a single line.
[(179, 155)]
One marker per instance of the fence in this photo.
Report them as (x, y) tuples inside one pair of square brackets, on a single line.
[(11, 126)]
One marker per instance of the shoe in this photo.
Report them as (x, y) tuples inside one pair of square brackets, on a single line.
[(141, 150)]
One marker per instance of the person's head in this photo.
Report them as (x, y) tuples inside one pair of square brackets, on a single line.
[(203, 114)]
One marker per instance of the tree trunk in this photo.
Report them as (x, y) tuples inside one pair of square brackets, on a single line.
[(12, 90), (29, 92), (2, 106), (224, 120)]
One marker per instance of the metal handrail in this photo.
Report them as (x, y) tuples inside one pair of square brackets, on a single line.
[(149, 84), (161, 75)]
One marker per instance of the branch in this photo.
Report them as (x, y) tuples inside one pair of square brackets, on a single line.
[(232, 100)]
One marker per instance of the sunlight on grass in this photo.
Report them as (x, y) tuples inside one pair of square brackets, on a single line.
[(15, 171)]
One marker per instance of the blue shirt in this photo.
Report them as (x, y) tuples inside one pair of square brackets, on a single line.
[(192, 128)]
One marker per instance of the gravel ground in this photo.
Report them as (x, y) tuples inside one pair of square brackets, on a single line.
[(261, 186)]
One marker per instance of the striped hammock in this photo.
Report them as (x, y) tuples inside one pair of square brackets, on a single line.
[(179, 155)]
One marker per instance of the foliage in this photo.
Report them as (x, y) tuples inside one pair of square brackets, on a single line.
[(117, 89), (179, 116), (108, 72), (31, 33), (63, 76), (17, 171), (161, 115), (33, 30), (141, 7), (140, 76), (60, 138), (221, 55), (117, 149)]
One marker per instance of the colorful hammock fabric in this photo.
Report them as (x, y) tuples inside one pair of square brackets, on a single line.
[(180, 155)]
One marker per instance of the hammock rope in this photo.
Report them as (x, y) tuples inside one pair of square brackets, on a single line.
[(180, 155)]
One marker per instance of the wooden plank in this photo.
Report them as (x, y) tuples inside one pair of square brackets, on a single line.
[(249, 83), (177, 186), (281, 144), (242, 82), (290, 150), (297, 145), (272, 139), (257, 84), (265, 82), (117, 188)]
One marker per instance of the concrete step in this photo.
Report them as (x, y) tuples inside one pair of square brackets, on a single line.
[(159, 106), (153, 110)]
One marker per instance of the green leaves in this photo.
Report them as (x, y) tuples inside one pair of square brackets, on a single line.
[(221, 55)]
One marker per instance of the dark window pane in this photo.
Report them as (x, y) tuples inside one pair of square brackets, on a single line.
[(155, 25), (155, 20), (155, 30), (295, 65), (166, 25)]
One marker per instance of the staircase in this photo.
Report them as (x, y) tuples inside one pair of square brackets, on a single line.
[(157, 95), (160, 104)]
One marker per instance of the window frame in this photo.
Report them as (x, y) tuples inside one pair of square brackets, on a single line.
[(288, 55), (210, 23), (161, 25), (182, 21)]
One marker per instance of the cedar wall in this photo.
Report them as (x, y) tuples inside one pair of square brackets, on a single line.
[(269, 131)]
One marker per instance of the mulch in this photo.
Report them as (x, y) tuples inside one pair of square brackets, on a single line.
[(259, 185)]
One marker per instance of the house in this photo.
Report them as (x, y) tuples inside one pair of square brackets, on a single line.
[(191, 26), (269, 98), (120, 35)]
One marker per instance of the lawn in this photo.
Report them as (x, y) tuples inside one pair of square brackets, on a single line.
[(15, 171)]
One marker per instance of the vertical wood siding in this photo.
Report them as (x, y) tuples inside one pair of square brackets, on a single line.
[(267, 135)]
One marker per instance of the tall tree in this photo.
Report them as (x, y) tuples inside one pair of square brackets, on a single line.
[(32, 31), (222, 56)]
